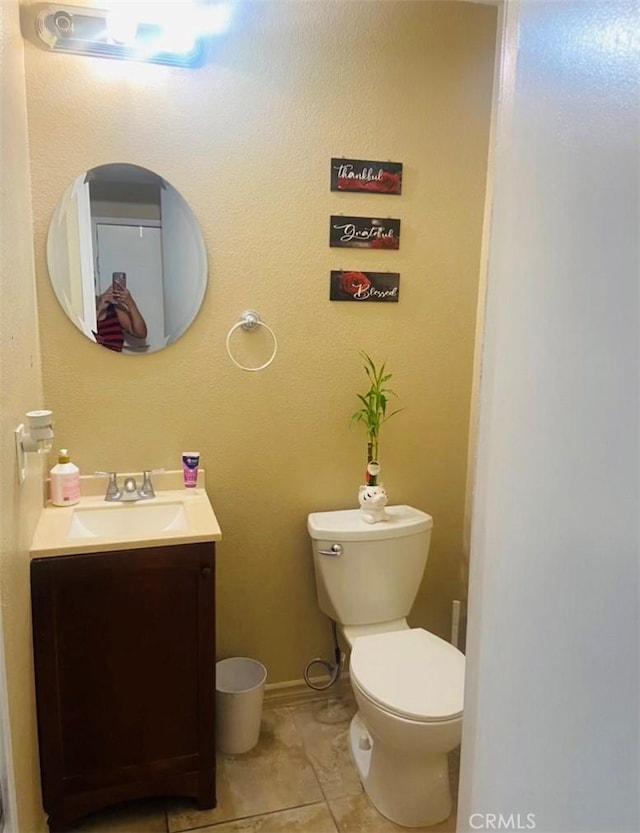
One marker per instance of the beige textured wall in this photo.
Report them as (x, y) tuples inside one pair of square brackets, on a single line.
[(247, 140), (21, 391)]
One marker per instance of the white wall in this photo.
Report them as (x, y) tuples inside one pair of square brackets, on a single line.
[(552, 695)]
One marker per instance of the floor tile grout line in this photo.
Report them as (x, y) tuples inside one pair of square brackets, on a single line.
[(288, 709), (249, 816), (312, 762), (307, 756), (333, 815)]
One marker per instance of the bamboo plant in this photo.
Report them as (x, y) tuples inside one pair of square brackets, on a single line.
[(373, 411)]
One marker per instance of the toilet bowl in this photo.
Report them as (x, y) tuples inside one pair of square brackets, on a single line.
[(408, 685)]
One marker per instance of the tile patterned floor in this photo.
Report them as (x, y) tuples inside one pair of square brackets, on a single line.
[(299, 779)]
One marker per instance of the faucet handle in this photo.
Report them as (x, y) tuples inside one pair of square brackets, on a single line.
[(146, 490), (113, 492)]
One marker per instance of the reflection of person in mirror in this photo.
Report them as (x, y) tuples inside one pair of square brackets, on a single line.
[(117, 314)]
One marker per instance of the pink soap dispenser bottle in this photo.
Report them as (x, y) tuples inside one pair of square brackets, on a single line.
[(64, 481)]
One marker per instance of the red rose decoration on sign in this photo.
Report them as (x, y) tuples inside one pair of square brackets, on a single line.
[(386, 184), (385, 243), (354, 282), (345, 184), (390, 183)]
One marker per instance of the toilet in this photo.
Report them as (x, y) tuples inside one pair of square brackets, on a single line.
[(408, 683)]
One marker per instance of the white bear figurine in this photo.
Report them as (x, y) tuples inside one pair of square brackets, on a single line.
[(373, 499)]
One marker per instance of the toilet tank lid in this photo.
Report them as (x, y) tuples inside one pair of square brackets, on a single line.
[(348, 525)]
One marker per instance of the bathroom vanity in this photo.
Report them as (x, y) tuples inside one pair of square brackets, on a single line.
[(124, 652)]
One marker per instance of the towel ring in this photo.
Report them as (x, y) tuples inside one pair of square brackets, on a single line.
[(249, 321)]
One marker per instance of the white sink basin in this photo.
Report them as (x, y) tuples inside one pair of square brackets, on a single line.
[(175, 516), (125, 520)]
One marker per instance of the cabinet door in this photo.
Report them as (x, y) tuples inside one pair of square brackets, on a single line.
[(125, 665)]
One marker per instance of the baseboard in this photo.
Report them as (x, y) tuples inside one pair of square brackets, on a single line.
[(297, 692)]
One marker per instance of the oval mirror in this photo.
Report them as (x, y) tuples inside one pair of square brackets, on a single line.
[(126, 258)]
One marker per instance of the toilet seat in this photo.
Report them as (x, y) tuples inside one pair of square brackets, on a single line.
[(411, 673)]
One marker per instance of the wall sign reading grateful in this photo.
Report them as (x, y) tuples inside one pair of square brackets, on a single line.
[(366, 176), (364, 233), (364, 286)]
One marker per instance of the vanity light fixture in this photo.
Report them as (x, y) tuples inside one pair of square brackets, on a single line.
[(37, 437), (167, 32)]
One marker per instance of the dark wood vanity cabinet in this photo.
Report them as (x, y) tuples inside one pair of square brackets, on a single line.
[(124, 655)]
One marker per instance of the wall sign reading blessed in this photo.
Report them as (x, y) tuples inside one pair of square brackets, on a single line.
[(366, 176), (364, 286), (364, 233)]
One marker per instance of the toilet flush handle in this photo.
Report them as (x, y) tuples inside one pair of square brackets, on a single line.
[(335, 551)]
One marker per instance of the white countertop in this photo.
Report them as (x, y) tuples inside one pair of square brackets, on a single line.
[(52, 538)]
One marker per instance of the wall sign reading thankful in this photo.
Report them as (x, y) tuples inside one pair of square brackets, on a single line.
[(366, 176), (364, 286), (363, 233)]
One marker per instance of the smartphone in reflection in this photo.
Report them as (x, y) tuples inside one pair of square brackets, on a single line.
[(119, 279)]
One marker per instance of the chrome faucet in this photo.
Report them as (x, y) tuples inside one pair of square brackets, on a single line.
[(129, 491)]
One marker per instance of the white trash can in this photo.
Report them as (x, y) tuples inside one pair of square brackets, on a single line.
[(239, 697)]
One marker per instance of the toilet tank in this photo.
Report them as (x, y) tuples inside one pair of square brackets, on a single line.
[(376, 576)]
